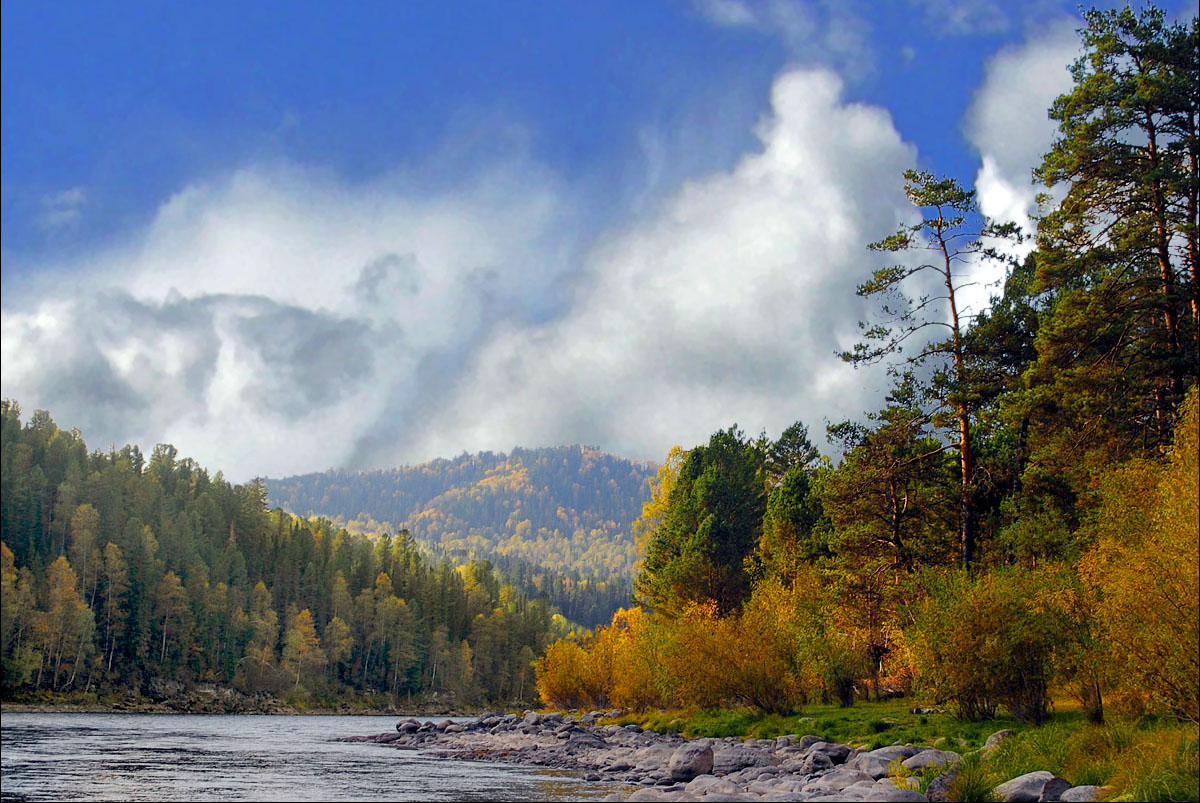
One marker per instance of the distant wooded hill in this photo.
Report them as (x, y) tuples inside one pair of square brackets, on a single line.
[(566, 510)]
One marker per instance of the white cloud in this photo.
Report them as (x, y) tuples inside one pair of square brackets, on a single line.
[(728, 305), (281, 320), (1008, 123), (62, 209)]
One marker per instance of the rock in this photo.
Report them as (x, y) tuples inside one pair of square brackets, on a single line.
[(690, 760), (877, 763), (408, 726), (996, 738), (735, 757), (620, 763), (711, 785), (532, 719), (164, 689), (838, 780), (838, 753), (1025, 788), (885, 793), (938, 790), (816, 762), (808, 740), (1081, 794), (931, 758), (1052, 791)]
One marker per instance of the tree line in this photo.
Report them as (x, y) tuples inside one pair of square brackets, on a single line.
[(558, 517), (116, 571), (1020, 516)]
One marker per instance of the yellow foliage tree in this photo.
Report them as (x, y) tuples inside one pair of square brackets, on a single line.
[(1144, 569)]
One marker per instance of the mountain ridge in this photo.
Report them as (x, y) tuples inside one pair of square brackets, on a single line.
[(562, 508)]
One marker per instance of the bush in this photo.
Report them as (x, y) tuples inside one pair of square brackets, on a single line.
[(985, 642), (564, 676), (1145, 568)]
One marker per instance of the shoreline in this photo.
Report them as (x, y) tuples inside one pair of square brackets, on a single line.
[(648, 766), (220, 702)]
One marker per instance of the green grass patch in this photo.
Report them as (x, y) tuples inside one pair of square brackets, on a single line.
[(1148, 761), (865, 724)]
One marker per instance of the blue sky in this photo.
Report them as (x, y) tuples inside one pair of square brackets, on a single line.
[(418, 228)]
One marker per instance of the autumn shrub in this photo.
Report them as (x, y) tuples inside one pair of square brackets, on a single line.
[(986, 641), (818, 640), (564, 676), (763, 671), (1144, 569), (638, 680), (696, 651)]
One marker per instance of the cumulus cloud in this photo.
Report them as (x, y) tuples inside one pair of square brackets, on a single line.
[(280, 320), (1007, 121), (727, 305)]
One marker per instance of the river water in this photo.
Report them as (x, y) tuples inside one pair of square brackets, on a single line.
[(201, 757)]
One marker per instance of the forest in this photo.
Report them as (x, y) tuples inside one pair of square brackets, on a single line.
[(553, 520), (119, 572), (1016, 527)]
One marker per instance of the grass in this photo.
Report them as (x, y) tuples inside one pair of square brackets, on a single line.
[(1139, 760), (868, 725)]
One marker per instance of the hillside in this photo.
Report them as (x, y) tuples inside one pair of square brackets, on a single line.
[(567, 509)]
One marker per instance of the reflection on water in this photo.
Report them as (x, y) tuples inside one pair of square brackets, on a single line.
[(201, 757)]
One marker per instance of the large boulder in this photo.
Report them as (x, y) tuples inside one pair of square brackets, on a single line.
[(931, 758), (838, 753), (1025, 788), (877, 763), (690, 760), (734, 757), (816, 763), (1081, 794)]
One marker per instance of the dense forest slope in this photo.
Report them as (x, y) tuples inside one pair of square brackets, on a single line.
[(120, 573), (567, 509)]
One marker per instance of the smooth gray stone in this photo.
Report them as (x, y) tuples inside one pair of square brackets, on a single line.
[(931, 758), (893, 794), (1052, 791), (838, 753), (690, 760), (732, 758), (1025, 788), (938, 790), (1081, 794)]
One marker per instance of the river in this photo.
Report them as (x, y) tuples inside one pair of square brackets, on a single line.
[(69, 756)]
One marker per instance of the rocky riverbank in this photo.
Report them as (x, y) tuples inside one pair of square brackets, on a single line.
[(643, 765)]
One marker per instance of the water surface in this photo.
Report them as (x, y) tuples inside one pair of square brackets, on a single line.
[(69, 756)]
